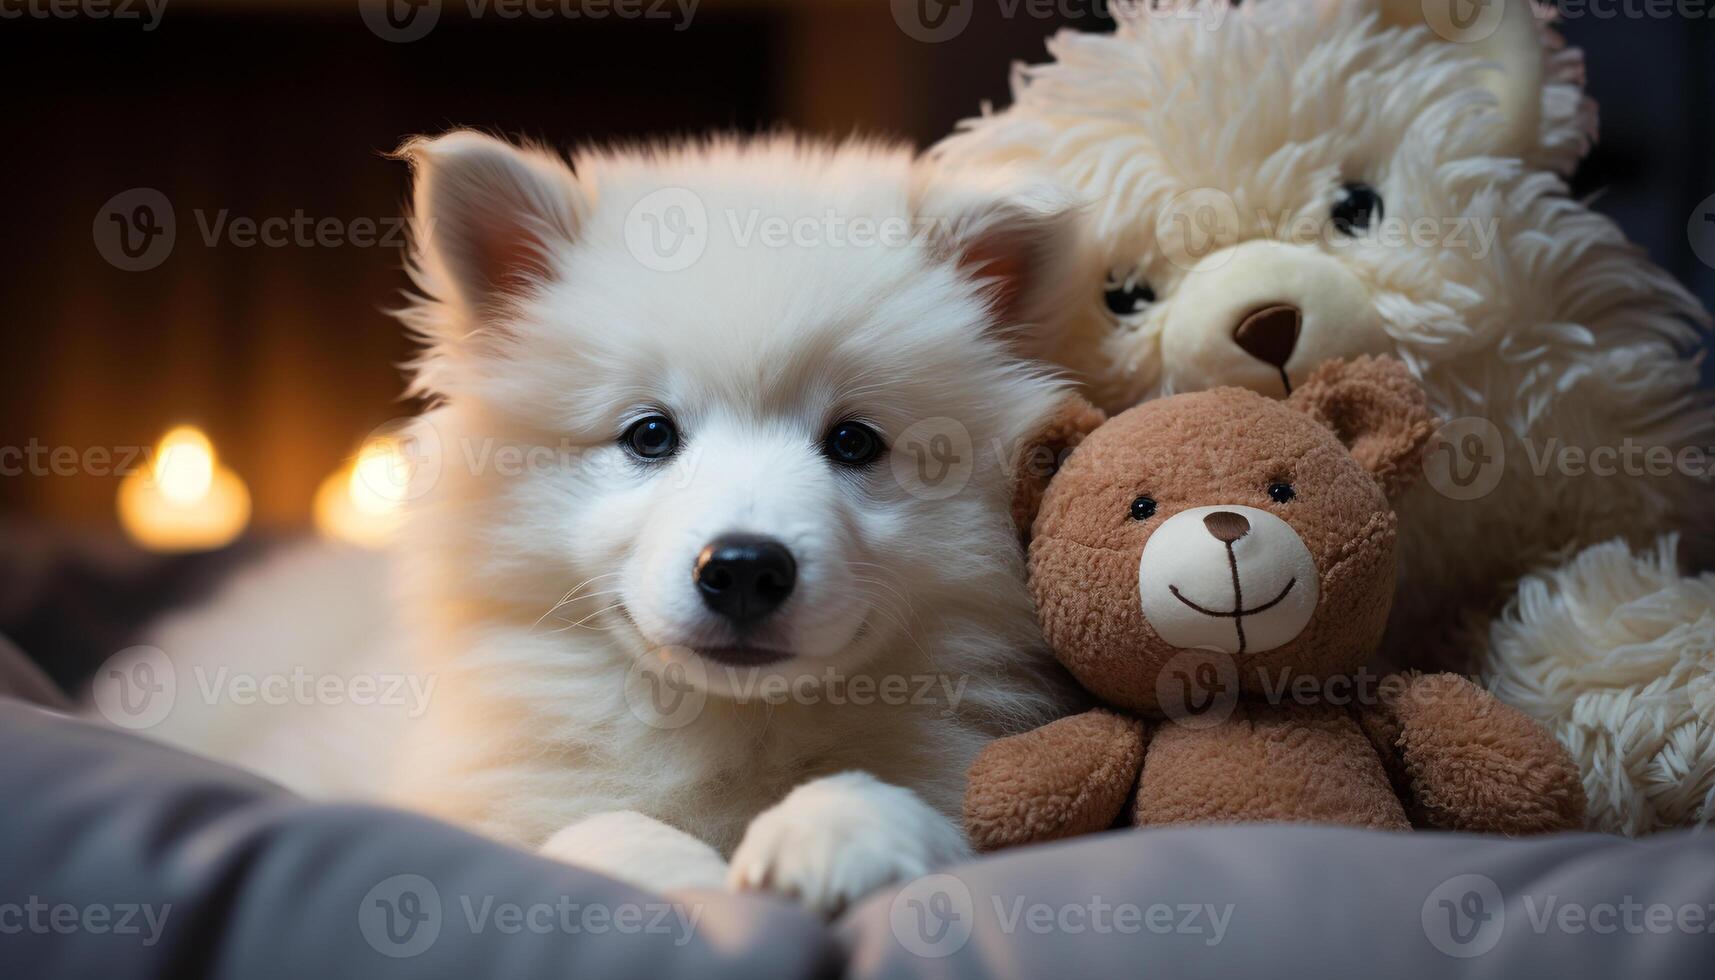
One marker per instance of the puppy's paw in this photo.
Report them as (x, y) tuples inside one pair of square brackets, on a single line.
[(830, 842), (638, 850)]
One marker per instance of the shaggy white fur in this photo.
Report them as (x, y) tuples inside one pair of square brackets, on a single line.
[(1616, 653), (1215, 144)]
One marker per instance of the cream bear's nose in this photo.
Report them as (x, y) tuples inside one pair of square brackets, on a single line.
[(1270, 334), (1262, 315)]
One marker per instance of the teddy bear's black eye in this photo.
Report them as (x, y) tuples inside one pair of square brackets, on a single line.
[(1142, 509), (1355, 207), (1280, 493), (1126, 298)]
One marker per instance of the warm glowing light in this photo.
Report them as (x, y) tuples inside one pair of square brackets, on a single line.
[(380, 477), (184, 465), (184, 501), (360, 502)]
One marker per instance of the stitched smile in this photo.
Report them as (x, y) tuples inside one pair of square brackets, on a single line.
[(1236, 612)]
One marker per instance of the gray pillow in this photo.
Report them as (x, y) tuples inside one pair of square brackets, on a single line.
[(1304, 901), (121, 858)]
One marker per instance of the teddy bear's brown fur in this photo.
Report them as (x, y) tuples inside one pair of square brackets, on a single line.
[(1289, 733)]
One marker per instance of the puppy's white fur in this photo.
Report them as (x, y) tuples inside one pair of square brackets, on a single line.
[(545, 597)]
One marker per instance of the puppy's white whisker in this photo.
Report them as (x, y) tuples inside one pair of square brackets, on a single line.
[(572, 595), (581, 622)]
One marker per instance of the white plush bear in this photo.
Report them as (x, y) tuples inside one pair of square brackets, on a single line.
[(1277, 183)]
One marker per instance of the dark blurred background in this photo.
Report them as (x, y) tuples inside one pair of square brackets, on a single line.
[(274, 108)]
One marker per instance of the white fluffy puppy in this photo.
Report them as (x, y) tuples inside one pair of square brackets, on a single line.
[(749, 598)]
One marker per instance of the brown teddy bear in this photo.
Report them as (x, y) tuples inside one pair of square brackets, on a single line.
[(1217, 567)]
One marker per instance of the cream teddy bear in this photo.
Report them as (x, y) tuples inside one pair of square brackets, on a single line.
[(1279, 183)]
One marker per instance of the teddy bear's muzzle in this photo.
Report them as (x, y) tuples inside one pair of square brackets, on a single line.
[(1229, 578)]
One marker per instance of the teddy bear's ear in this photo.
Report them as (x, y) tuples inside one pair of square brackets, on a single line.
[(1378, 410), (1040, 457), (1512, 53), (1017, 233)]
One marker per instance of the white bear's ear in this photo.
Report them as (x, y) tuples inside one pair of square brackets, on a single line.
[(487, 217), (1378, 411), (1503, 33), (1019, 234)]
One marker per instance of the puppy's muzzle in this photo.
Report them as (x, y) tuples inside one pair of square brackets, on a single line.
[(1229, 578), (744, 577)]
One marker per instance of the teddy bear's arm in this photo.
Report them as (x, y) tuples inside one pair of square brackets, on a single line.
[(1070, 777), (1462, 760)]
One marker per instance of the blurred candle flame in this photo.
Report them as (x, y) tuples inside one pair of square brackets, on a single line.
[(185, 500), (360, 502)]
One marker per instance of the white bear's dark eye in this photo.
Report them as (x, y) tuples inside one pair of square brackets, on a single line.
[(1143, 508), (1355, 207), (1126, 298), (1281, 493)]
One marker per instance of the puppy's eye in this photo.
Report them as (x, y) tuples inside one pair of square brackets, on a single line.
[(1143, 508), (652, 437), (1280, 493), (852, 444), (1126, 298), (1356, 207)]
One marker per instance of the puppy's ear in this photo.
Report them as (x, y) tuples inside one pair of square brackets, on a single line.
[(1378, 410), (1018, 235), (487, 217), (1040, 458)]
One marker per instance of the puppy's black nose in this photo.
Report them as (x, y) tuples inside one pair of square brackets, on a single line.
[(744, 577)]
